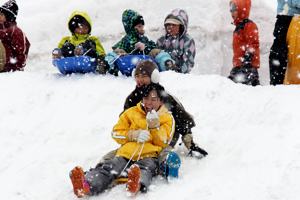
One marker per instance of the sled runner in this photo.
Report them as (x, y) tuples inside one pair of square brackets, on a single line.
[(76, 64)]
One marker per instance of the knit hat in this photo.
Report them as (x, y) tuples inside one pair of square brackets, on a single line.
[(148, 68), (173, 21), (10, 10)]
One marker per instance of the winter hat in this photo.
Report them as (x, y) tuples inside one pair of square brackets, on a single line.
[(77, 20), (173, 21), (138, 20), (10, 10), (148, 68)]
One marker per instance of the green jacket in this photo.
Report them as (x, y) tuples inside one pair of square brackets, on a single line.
[(77, 39), (128, 42)]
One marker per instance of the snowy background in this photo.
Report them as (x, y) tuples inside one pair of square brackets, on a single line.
[(50, 123)]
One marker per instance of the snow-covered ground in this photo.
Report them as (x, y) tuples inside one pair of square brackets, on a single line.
[(50, 123)]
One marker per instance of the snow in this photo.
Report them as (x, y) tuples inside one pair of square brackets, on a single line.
[(50, 123)]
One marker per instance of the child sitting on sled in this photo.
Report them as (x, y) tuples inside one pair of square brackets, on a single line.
[(142, 132), (81, 42), (135, 43), (177, 43)]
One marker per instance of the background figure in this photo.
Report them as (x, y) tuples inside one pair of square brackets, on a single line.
[(135, 41), (286, 9), (245, 42), (81, 42), (14, 45), (292, 75), (177, 42)]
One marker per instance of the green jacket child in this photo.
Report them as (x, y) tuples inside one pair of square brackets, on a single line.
[(134, 42)]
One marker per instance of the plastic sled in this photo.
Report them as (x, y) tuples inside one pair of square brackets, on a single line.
[(171, 165), (76, 64), (127, 63)]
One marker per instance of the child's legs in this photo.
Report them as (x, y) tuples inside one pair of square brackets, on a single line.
[(100, 178), (149, 168), (2, 57), (278, 52)]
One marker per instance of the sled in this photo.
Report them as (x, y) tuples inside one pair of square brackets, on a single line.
[(76, 64), (127, 63)]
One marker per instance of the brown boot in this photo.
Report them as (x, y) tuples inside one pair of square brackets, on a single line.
[(134, 178), (80, 186)]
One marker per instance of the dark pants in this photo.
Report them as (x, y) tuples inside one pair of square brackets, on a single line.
[(279, 50), (101, 177)]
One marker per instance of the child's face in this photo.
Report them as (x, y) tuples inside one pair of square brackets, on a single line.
[(142, 79), (152, 101), (233, 11), (140, 29), (2, 18), (82, 29), (173, 29)]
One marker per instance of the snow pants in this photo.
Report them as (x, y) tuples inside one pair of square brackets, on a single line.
[(2, 57), (102, 176), (279, 50)]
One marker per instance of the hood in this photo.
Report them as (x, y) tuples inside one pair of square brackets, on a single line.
[(129, 17), (243, 9), (182, 16), (79, 17)]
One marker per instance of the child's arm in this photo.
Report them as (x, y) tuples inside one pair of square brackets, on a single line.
[(21, 45), (187, 61), (99, 48), (252, 48)]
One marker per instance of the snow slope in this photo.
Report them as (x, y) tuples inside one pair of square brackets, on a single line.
[(50, 123)]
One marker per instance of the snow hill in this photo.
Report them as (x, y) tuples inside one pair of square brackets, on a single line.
[(50, 123)]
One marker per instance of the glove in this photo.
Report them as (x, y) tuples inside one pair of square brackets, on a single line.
[(170, 65), (78, 51), (139, 136), (152, 119), (144, 136), (120, 52), (56, 53), (139, 45)]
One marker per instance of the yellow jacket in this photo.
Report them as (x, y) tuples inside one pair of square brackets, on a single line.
[(77, 39), (292, 74), (134, 118)]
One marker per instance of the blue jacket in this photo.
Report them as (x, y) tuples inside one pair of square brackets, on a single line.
[(292, 7)]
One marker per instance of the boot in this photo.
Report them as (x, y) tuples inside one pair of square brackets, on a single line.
[(134, 179), (81, 187)]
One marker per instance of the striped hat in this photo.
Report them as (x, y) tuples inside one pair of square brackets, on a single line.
[(10, 10)]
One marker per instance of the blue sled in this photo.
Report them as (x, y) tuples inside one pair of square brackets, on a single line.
[(127, 63), (172, 165), (76, 64)]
